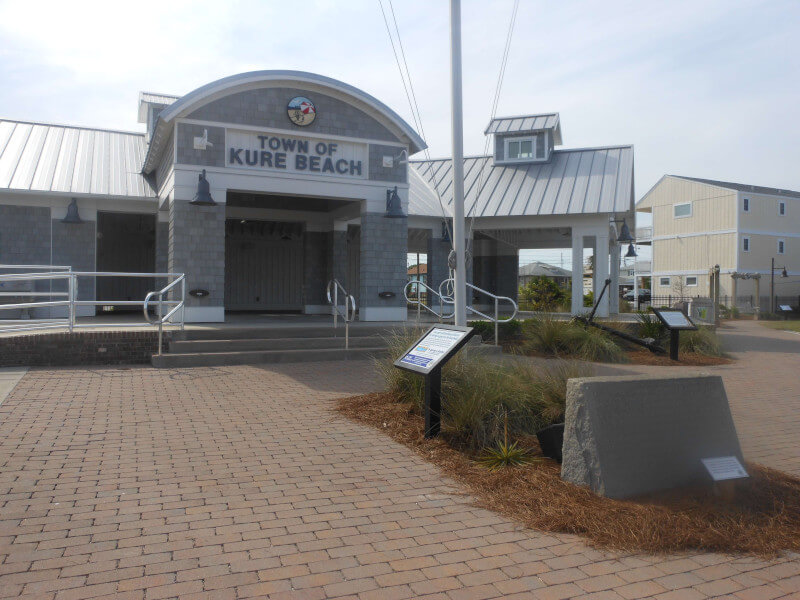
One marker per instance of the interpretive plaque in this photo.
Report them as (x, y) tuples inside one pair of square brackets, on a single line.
[(675, 321), (426, 357)]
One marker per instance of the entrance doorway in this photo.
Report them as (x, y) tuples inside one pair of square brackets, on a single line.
[(125, 243), (263, 265)]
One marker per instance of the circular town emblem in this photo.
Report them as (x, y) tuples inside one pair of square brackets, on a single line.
[(301, 111)]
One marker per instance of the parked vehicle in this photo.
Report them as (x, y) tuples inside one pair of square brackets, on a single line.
[(644, 296)]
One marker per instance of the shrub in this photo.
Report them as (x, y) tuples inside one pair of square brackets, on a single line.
[(484, 404), (650, 326), (703, 341), (507, 330), (573, 339), (541, 294)]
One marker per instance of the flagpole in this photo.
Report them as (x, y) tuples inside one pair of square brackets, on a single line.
[(459, 240)]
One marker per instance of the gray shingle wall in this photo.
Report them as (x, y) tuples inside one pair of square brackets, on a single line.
[(384, 243), (507, 268), (212, 156), (24, 235), (162, 247), (266, 107), (377, 172), (75, 245), (315, 266), (197, 248)]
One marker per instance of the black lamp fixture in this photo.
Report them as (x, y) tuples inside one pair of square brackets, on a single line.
[(203, 195), (394, 209), (631, 251), (624, 236), (72, 213)]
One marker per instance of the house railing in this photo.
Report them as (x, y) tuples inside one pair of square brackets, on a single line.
[(21, 289)]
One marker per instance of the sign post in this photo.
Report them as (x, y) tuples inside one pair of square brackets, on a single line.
[(674, 320), (426, 357)]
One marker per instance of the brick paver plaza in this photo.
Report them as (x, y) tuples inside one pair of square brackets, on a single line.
[(241, 482)]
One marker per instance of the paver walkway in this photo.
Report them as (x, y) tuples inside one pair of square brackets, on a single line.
[(240, 482)]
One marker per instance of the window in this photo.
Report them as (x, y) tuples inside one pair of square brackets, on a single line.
[(520, 148), (746, 205), (664, 282), (781, 246), (782, 209), (691, 280), (746, 244), (682, 210)]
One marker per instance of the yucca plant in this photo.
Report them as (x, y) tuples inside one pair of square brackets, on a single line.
[(503, 454)]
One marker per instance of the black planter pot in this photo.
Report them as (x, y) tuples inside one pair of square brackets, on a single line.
[(551, 439)]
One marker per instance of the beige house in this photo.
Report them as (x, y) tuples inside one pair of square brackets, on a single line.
[(699, 223)]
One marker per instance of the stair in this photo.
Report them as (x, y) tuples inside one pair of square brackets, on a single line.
[(243, 346), (258, 345)]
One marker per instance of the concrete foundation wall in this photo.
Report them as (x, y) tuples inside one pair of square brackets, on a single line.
[(80, 348)]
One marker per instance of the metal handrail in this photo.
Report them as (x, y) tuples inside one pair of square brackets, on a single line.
[(420, 304), (497, 299), (70, 300), (348, 315), (163, 318)]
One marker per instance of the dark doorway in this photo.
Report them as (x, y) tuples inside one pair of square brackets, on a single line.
[(125, 243)]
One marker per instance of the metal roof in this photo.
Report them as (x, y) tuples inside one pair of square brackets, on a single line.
[(537, 268), (742, 187), (75, 160), (527, 123), (582, 181)]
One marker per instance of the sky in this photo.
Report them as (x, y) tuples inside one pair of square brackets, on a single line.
[(702, 88)]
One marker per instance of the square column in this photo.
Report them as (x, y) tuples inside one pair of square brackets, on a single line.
[(438, 251), (197, 248), (384, 249), (577, 272), (613, 306), (601, 272)]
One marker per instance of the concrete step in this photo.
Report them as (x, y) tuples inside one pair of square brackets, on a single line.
[(291, 343), (303, 331), (216, 359)]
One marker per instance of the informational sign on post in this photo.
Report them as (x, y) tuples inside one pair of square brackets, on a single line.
[(438, 343), (426, 357), (674, 320)]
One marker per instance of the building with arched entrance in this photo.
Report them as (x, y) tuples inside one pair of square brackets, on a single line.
[(302, 171)]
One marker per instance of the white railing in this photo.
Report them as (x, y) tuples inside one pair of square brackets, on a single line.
[(349, 313), (68, 299), (420, 304), (164, 318), (449, 298)]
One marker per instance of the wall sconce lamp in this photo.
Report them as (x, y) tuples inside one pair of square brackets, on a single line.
[(72, 213), (203, 195), (394, 210)]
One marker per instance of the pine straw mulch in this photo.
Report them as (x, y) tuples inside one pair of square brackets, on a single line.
[(643, 356), (763, 518)]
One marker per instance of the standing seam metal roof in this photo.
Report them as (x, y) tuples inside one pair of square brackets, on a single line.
[(74, 160), (582, 181), (527, 123)]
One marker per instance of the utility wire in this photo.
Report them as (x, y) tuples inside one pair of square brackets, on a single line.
[(416, 115)]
